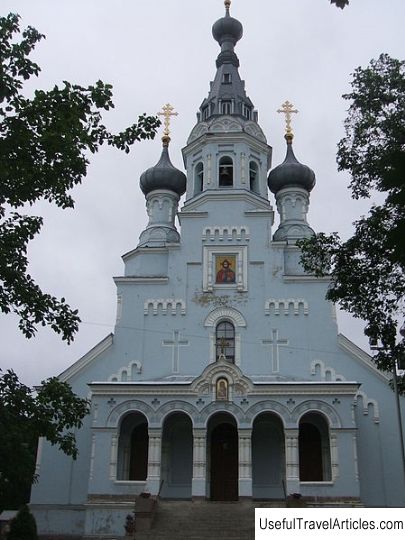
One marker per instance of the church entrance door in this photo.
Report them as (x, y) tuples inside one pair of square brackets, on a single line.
[(224, 463)]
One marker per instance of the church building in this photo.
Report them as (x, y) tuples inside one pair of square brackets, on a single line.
[(226, 377)]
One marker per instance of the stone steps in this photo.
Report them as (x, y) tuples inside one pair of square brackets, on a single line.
[(202, 520)]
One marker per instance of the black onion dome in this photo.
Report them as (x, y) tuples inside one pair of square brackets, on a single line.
[(291, 173), (227, 28), (163, 176)]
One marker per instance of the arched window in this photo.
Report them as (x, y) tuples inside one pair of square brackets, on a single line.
[(225, 172), (225, 341), (133, 448), (198, 178), (254, 176), (314, 448)]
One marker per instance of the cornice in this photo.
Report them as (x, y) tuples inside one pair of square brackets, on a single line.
[(130, 279)]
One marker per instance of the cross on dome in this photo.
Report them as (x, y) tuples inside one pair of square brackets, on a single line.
[(287, 108), (167, 111)]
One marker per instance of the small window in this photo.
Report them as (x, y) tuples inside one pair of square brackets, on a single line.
[(226, 107), (254, 177), (227, 78), (225, 172), (246, 111), (198, 178), (205, 113), (225, 341)]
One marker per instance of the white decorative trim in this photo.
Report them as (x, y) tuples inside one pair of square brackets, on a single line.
[(113, 459), (224, 313), (226, 232), (119, 308), (87, 359), (92, 455), (334, 458), (366, 402), (125, 373), (361, 356), (152, 280), (325, 371), (277, 302), (163, 304)]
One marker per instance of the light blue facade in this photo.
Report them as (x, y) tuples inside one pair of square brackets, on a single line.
[(281, 373)]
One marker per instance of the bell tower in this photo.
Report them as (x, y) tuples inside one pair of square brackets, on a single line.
[(227, 149)]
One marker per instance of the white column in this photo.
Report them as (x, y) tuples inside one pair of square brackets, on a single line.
[(154, 461), (199, 463), (334, 458), (292, 461), (113, 459), (245, 462)]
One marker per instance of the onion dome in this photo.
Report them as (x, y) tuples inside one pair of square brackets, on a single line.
[(164, 174), (227, 28), (291, 173)]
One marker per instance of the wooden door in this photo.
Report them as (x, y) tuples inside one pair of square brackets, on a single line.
[(224, 463), (310, 453)]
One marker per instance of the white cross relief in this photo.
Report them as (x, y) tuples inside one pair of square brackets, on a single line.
[(275, 343), (175, 343)]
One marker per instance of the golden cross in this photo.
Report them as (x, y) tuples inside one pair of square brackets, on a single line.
[(287, 109), (167, 112), (223, 344)]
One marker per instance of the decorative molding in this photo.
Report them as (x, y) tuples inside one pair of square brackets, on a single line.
[(225, 313), (164, 304), (317, 406), (226, 232), (327, 373), (125, 373), (209, 253), (269, 407), (366, 403), (119, 308), (133, 405), (286, 303), (176, 406), (361, 356), (147, 279)]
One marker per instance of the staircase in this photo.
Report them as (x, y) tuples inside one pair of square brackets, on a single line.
[(202, 520)]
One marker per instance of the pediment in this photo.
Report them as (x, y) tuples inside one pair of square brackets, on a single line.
[(222, 368)]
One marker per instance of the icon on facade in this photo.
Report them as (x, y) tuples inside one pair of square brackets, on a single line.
[(225, 268), (222, 389)]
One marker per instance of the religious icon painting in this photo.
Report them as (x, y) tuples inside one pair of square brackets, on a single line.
[(225, 268), (222, 389)]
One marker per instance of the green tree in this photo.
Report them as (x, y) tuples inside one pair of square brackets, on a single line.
[(367, 270), (45, 142), (53, 412), (340, 3)]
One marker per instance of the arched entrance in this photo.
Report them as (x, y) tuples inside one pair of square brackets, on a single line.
[(133, 443), (268, 457), (314, 448), (223, 458), (177, 457)]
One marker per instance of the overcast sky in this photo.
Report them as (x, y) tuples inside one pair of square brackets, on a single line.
[(160, 51)]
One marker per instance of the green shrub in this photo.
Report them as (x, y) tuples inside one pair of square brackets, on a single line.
[(23, 526)]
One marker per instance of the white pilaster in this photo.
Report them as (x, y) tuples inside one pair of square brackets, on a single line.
[(245, 462), (292, 461), (154, 461), (199, 463)]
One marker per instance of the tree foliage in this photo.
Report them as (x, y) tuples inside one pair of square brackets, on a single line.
[(45, 143), (367, 270), (53, 412), (340, 3)]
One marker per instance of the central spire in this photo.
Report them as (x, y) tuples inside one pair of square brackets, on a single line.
[(227, 94)]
